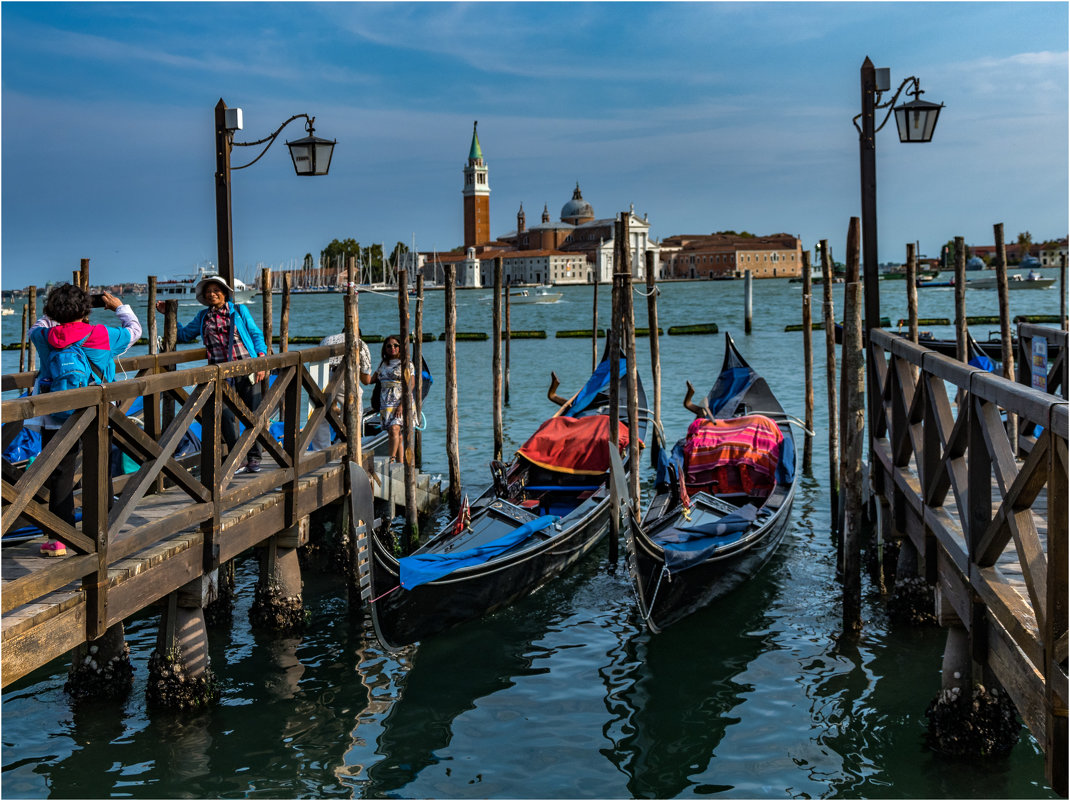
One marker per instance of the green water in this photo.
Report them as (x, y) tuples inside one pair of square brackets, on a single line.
[(563, 695)]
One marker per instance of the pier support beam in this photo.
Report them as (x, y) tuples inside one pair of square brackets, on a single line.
[(219, 610), (101, 668), (278, 605), (913, 597), (180, 674)]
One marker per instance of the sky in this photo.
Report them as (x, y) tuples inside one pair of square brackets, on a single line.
[(706, 116)]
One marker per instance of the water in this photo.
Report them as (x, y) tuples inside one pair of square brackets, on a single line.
[(563, 695)]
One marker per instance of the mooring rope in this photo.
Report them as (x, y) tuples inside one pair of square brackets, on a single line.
[(650, 607), (373, 600)]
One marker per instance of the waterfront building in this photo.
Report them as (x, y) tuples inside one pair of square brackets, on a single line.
[(730, 255)]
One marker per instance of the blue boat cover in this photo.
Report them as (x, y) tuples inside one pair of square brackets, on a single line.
[(730, 386), (686, 546), (598, 382), (421, 568)]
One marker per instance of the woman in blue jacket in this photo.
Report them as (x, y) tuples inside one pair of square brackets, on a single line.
[(229, 333)]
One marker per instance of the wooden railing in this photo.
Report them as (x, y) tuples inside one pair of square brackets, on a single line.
[(173, 399), (958, 492)]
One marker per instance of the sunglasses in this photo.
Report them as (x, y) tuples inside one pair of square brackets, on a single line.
[(393, 345)]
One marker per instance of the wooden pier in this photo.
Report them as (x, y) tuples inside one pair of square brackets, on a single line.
[(173, 521), (988, 523)]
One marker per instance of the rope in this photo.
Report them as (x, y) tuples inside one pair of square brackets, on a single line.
[(373, 600), (650, 607), (790, 418), (654, 291), (422, 420)]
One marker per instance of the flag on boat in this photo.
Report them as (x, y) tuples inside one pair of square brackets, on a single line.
[(464, 517)]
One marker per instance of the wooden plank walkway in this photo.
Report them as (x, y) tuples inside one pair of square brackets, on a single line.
[(36, 633)]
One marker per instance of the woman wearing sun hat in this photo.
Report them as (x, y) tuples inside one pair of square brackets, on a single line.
[(229, 333)]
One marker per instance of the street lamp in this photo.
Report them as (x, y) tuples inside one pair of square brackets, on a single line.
[(311, 156), (916, 121)]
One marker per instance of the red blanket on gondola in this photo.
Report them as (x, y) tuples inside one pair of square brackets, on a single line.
[(578, 445), (736, 456)]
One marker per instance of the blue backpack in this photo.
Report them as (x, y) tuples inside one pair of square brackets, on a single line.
[(70, 368)]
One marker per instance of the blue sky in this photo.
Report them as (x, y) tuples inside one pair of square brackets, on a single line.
[(705, 116)]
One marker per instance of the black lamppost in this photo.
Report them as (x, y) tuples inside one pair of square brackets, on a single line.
[(916, 121), (311, 156)]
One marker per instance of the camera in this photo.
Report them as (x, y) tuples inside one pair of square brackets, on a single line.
[(96, 300)]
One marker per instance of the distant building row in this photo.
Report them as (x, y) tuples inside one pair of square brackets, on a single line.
[(578, 247)]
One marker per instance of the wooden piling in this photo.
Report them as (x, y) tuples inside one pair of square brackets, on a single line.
[(748, 300), (496, 358), (855, 370), (411, 533), (808, 363), (284, 316), (170, 344), (830, 381), (628, 328), (961, 351), (268, 317), (83, 275), (594, 328), (912, 292), (655, 352), (351, 408), (1062, 292), (508, 334), (25, 333), (453, 456), (613, 332), (1006, 345), (31, 301), (852, 275), (417, 363), (154, 343)]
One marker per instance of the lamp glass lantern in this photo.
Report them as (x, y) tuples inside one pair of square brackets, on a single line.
[(311, 154), (916, 120)]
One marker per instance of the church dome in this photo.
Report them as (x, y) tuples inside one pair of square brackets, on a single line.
[(577, 210)]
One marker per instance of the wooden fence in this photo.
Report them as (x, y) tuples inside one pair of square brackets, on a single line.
[(990, 528)]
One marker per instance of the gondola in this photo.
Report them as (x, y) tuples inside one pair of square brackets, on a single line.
[(544, 511), (722, 499)]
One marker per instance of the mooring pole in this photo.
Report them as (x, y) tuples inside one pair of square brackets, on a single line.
[(418, 367), (496, 358), (170, 344), (912, 293), (615, 330), (154, 345), (267, 313), (351, 408), (808, 363), (748, 300), (25, 332), (961, 350), (84, 275), (628, 314), (452, 425), (508, 336), (412, 533), (655, 352), (284, 317), (594, 328), (1062, 292), (31, 300), (853, 435), (829, 318), (1006, 345), (851, 276)]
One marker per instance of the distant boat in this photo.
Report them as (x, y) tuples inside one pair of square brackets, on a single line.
[(7, 311), (1032, 281), (183, 287), (540, 295)]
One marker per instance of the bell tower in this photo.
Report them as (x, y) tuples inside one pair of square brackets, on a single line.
[(476, 194)]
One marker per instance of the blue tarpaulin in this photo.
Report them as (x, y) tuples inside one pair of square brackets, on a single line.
[(421, 568), (687, 545), (598, 382)]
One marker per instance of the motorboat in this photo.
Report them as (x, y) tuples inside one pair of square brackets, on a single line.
[(183, 287)]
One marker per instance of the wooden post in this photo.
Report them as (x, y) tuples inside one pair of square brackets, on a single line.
[(76, 278), (25, 330), (508, 336), (614, 331), (351, 409), (829, 317), (912, 292), (961, 351), (1006, 345), (748, 300), (154, 344), (855, 370), (633, 379), (170, 344), (594, 328), (655, 352), (1062, 292), (284, 317), (417, 364), (808, 363), (84, 275), (452, 426), (266, 303), (411, 534), (854, 235), (496, 358), (31, 353)]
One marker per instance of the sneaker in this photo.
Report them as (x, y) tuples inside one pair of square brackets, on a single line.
[(54, 548), (253, 465)]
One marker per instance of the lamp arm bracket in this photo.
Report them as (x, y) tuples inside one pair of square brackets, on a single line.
[(271, 139), (915, 86)]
